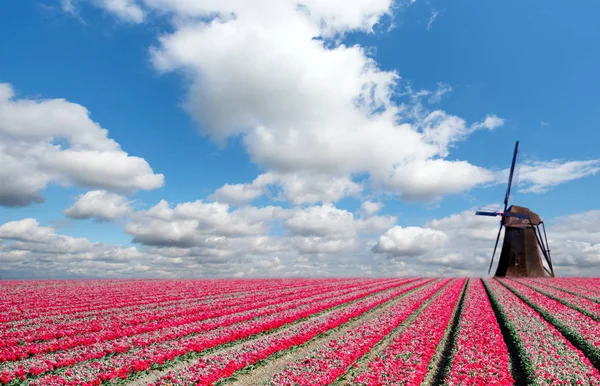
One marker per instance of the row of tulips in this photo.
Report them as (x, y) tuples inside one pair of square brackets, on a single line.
[(577, 286), (33, 301), (406, 359), (132, 301), (547, 357), (95, 350), (40, 303), (480, 356), (215, 367), (21, 344), (586, 306), (576, 326), (140, 355), (328, 362)]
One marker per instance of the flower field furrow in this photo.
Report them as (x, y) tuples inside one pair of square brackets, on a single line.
[(548, 358), (213, 368), (47, 362), (586, 306), (406, 359), (140, 355), (572, 323), (359, 331), (575, 286), (325, 364), (200, 293), (115, 328), (112, 332), (106, 299), (480, 356), (75, 298)]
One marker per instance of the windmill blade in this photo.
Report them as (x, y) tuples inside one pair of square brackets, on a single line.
[(547, 249), (495, 247), (510, 176), (540, 243), (486, 213), (490, 210)]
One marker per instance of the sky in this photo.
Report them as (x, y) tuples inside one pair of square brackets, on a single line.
[(237, 138)]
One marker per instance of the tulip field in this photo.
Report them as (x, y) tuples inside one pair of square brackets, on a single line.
[(354, 331)]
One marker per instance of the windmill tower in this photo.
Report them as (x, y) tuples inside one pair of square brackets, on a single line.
[(523, 242)]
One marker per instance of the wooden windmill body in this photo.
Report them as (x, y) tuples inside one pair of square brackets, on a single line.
[(523, 245)]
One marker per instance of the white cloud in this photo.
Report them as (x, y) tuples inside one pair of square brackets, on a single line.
[(432, 18), (322, 220), (25, 230), (126, 10), (460, 244), (53, 140), (442, 89), (38, 252), (99, 204), (429, 179), (314, 109), (29, 235), (540, 176), (490, 122), (296, 188), (369, 208), (197, 223), (114, 170), (327, 220), (410, 241), (237, 194), (315, 188), (323, 245), (312, 112), (217, 234)]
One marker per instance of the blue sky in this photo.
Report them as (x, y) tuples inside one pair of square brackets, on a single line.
[(530, 67)]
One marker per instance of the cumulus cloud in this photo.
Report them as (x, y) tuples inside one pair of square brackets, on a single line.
[(25, 230), (99, 204), (28, 235), (320, 108), (327, 220), (410, 241), (429, 179), (36, 251), (460, 244), (308, 107), (53, 140), (198, 223), (216, 229), (295, 188), (238, 194)]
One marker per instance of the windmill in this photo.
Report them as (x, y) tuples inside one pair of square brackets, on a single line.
[(520, 255)]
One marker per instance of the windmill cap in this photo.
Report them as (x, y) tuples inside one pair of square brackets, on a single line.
[(534, 217)]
